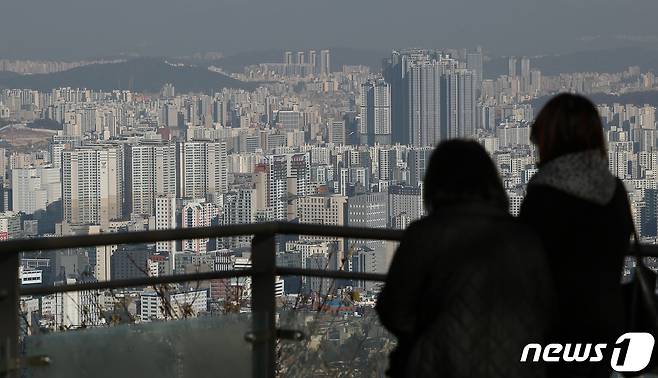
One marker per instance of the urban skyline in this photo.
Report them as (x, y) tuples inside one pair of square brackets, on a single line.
[(310, 144)]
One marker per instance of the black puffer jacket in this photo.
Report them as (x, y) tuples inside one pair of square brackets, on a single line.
[(582, 215), (467, 289)]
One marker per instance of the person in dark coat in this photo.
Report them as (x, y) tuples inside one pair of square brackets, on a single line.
[(582, 215), (468, 287)]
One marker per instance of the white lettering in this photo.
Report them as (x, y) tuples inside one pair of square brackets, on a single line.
[(550, 348), (598, 352), (639, 348), (575, 356), (526, 350)]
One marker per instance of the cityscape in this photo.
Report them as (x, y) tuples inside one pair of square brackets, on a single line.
[(298, 139)]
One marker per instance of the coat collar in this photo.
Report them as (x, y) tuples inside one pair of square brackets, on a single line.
[(584, 175)]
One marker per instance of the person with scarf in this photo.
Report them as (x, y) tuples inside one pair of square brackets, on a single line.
[(582, 215)]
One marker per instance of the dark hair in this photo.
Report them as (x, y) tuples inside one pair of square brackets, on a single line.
[(462, 171), (568, 123)]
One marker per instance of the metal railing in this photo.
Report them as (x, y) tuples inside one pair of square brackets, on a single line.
[(263, 274)]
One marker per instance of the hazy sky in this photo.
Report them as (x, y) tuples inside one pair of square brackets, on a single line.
[(86, 28)]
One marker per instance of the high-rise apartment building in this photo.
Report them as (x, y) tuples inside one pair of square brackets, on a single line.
[(325, 62), (287, 57), (92, 183), (312, 60), (165, 219), (424, 103), (525, 74), (417, 161), (394, 72), (459, 104), (198, 214), (240, 207), (405, 205), (535, 81), (386, 163), (329, 210), (288, 176), (368, 210), (337, 132), (431, 97), (474, 63), (290, 120), (511, 67), (204, 169), (375, 121), (153, 174), (34, 189)]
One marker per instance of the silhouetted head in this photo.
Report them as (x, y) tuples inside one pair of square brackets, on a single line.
[(568, 123), (461, 171)]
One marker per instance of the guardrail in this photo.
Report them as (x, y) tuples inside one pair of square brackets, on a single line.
[(262, 273)]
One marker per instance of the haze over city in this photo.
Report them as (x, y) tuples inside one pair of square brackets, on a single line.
[(75, 29)]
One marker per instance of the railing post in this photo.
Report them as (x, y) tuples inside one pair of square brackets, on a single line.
[(263, 305), (9, 323)]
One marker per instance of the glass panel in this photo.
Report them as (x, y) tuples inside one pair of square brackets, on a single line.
[(342, 340), (207, 346), (343, 336)]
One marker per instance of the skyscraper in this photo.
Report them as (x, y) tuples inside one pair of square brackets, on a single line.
[(325, 62), (337, 132), (417, 161), (375, 121), (287, 175), (432, 99), (474, 63), (525, 74), (511, 66), (35, 188), (459, 104), (535, 81), (300, 57), (240, 207), (394, 71), (219, 112), (312, 60), (92, 182), (165, 219), (386, 163), (204, 169), (424, 109), (287, 57), (525, 67), (153, 173), (168, 91)]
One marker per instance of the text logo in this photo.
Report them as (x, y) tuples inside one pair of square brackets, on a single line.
[(631, 352)]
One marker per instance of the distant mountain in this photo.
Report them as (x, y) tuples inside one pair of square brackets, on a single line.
[(340, 56), (636, 98), (610, 60), (8, 75), (141, 75)]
